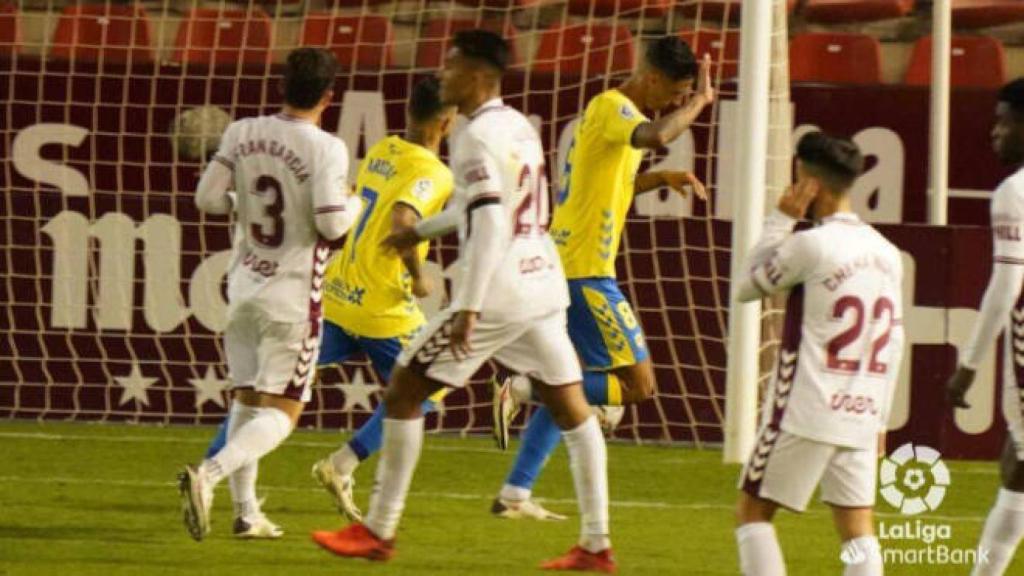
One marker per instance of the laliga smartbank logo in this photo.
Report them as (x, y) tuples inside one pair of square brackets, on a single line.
[(914, 480)]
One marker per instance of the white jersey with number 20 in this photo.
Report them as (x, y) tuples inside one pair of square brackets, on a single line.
[(843, 335), (498, 157), (286, 171)]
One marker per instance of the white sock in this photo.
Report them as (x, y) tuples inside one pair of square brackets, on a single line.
[(253, 440), (588, 460), (760, 554), (514, 493), (344, 460), (862, 556), (1003, 531), (243, 481), (403, 440)]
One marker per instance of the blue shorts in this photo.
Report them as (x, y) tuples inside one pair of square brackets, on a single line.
[(337, 346), (602, 325)]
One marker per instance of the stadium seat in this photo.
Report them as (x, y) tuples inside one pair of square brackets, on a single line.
[(645, 8), (982, 13), (835, 58), (723, 48), (590, 49), (434, 42), (211, 36), (977, 61), (502, 4), (359, 42), (103, 32), (834, 11), (10, 32), (719, 9)]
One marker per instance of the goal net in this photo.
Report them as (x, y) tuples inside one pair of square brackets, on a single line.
[(112, 281)]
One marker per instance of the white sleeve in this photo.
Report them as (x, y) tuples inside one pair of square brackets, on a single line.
[(476, 171), (335, 210), (779, 260), (212, 190), (1004, 286), (897, 340), (439, 224)]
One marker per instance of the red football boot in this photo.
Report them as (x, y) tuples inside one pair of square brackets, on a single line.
[(355, 541), (581, 560)]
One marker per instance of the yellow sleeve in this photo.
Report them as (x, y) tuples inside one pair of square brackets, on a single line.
[(426, 192), (617, 119)]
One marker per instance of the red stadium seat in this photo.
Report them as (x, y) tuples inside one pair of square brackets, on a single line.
[(359, 42), (504, 4), (645, 8), (211, 36), (835, 58), (589, 49), (977, 61), (103, 32), (356, 3), (10, 32), (436, 38), (719, 9), (982, 13), (724, 49), (855, 10)]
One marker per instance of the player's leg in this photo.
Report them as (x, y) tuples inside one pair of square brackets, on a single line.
[(220, 438), (617, 371), (1004, 527), (782, 471), (849, 485)]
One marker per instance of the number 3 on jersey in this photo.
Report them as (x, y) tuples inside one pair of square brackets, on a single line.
[(370, 196), (270, 231)]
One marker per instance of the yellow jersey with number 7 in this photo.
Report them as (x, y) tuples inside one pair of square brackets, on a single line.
[(368, 290), (597, 186)]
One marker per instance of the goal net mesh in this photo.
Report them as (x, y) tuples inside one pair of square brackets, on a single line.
[(112, 281)]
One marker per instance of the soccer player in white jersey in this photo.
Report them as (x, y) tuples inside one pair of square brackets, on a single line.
[(824, 422), (508, 303), (292, 197), (1002, 310)]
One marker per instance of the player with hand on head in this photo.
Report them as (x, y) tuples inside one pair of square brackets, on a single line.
[(292, 198), (369, 303), (1002, 310), (599, 181), (508, 303), (824, 422)]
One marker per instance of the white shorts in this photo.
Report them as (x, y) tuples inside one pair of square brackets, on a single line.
[(270, 357), (786, 469), (538, 348)]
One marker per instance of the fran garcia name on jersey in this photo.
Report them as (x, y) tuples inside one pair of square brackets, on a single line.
[(296, 165)]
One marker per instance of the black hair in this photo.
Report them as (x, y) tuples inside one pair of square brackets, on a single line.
[(1013, 94), (672, 56), (836, 160), (308, 74), (485, 46), (425, 102)]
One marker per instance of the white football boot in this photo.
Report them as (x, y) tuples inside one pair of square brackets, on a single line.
[(256, 527), (339, 487), (506, 407), (519, 509), (196, 493)]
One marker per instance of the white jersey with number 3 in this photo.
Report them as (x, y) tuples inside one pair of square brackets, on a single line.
[(842, 341), (498, 157), (286, 171)]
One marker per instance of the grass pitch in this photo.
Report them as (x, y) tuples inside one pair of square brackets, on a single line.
[(84, 499)]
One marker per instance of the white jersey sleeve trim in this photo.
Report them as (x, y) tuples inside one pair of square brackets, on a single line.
[(1004, 288)]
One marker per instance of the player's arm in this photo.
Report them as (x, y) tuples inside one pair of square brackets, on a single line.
[(658, 133), (677, 180), (780, 259), (897, 337), (1003, 287), (212, 196), (335, 208), (404, 218)]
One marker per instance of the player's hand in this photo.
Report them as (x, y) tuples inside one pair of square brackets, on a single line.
[(705, 91), (798, 197), (399, 241), (881, 445), (958, 385), (462, 329), (683, 182), (421, 287)]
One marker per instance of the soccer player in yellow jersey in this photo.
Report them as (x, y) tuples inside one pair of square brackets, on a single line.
[(369, 303), (599, 180)]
